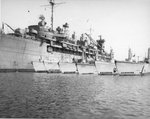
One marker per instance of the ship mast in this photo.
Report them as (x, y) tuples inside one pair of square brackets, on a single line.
[(52, 11), (52, 4)]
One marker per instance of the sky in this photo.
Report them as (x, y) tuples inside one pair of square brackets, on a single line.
[(123, 24)]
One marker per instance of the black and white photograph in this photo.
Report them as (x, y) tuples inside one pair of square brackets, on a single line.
[(75, 59)]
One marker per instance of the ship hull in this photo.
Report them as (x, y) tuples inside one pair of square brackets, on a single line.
[(105, 68), (39, 67), (21, 54), (14, 55), (84, 68), (129, 68), (146, 69), (52, 67), (66, 67)]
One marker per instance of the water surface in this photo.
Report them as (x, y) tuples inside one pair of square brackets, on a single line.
[(71, 96)]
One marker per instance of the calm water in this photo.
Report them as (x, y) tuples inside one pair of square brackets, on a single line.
[(71, 96)]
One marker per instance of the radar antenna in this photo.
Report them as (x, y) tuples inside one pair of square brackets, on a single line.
[(52, 4)]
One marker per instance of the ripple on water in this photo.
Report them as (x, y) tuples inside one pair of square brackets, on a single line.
[(74, 96)]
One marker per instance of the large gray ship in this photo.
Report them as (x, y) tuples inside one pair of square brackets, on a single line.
[(41, 49)]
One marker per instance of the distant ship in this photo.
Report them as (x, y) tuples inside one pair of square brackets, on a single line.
[(129, 67), (41, 49)]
